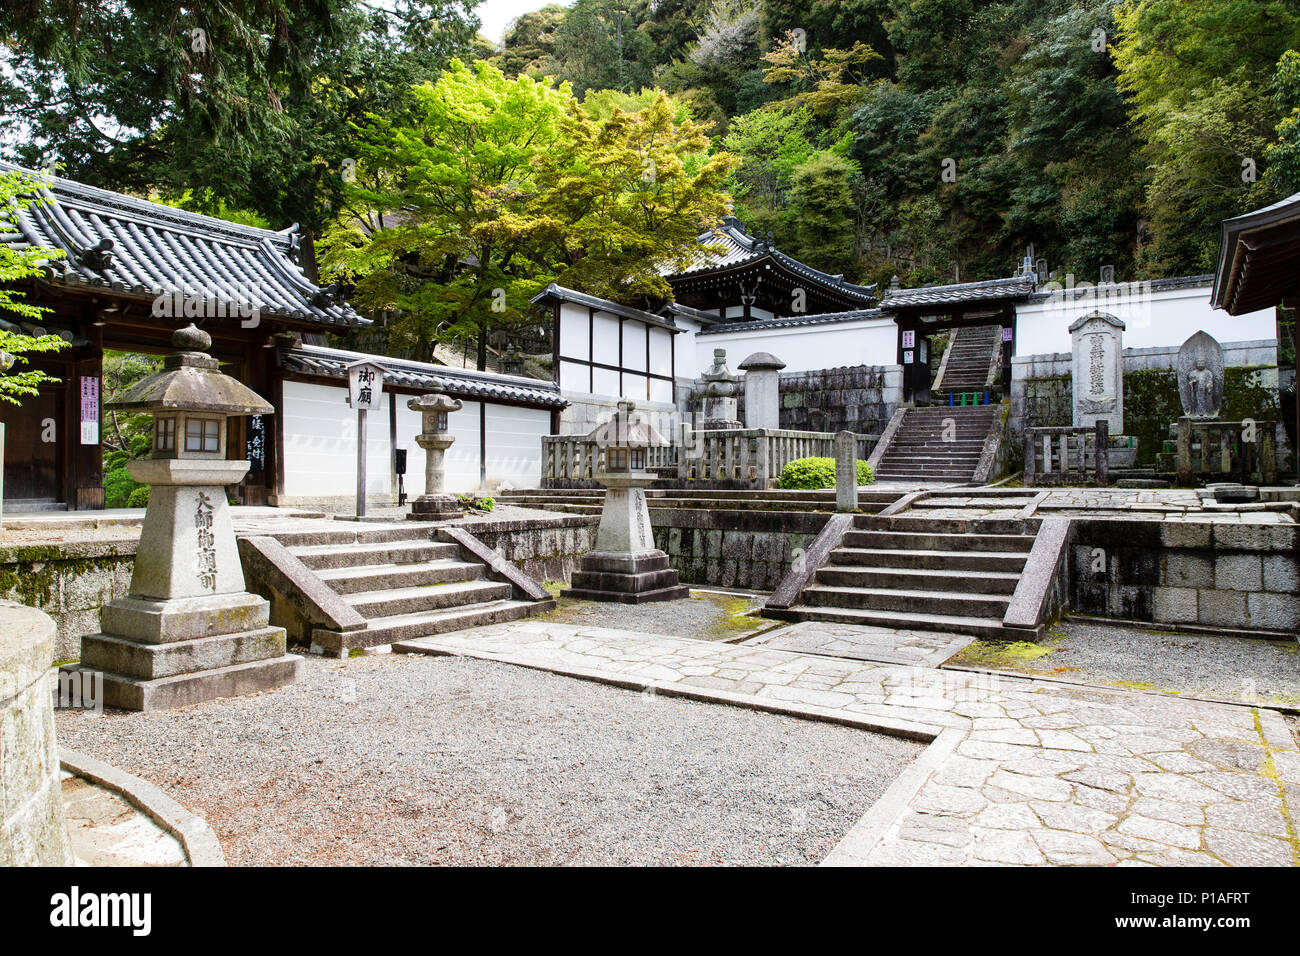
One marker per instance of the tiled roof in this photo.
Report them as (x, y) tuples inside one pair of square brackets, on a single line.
[(1012, 287), (143, 248), (826, 318), (459, 383), (1089, 292), (559, 293), (730, 245)]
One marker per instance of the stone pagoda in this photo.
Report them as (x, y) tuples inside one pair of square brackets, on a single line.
[(435, 504), (187, 631), (625, 566)]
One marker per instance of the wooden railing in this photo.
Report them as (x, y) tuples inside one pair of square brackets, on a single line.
[(748, 457), (1067, 456)]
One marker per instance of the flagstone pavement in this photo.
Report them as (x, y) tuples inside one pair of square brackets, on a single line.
[(1019, 771)]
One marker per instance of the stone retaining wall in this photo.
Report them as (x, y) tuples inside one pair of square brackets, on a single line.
[(33, 831), (1224, 575), (546, 549), (734, 549), (70, 582)]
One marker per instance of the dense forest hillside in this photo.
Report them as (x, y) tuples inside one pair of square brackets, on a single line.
[(930, 139)]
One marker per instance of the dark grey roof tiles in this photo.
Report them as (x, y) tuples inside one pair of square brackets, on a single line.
[(459, 383), (1012, 287), (792, 321), (144, 248), (730, 245)]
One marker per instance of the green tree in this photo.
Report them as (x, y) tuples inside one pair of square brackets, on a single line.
[(1199, 77), (18, 192), (821, 204)]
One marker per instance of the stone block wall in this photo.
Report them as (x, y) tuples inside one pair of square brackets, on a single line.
[(546, 549), (734, 549), (70, 582), (33, 831), (1041, 394), (1223, 575)]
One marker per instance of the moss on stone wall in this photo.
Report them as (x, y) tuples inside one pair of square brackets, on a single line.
[(1151, 403)]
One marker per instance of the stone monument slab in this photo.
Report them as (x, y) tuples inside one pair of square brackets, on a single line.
[(1097, 347)]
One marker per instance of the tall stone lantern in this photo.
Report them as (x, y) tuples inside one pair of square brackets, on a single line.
[(187, 631), (625, 566), (435, 438)]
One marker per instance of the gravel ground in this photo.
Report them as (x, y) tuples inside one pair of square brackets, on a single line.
[(393, 759), (1235, 668), (705, 616)]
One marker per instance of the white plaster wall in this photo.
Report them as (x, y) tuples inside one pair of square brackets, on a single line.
[(320, 446), (1152, 319), (806, 348), (320, 443), (514, 445)]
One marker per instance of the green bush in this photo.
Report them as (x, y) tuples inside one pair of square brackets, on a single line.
[(118, 486), (139, 497), (813, 473)]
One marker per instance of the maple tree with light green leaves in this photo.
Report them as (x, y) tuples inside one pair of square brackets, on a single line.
[(17, 192), (489, 188)]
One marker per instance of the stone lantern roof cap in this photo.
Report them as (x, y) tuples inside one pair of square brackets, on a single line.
[(761, 360), (191, 380), (624, 431)]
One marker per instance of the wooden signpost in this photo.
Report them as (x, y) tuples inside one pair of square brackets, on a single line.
[(365, 393)]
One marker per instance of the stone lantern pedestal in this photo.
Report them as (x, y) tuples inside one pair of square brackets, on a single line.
[(434, 438), (625, 566), (187, 631)]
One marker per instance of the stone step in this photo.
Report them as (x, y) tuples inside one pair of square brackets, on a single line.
[(988, 628), (350, 535), (320, 557), (1006, 561), (136, 659), (932, 524), (350, 580), (917, 579), (406, 627), (194, 688), (911, 601), (933, 541), (375, 605)]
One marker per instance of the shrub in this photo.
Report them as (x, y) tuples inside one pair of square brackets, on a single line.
[(118, 486), (813, 473), (139, 497)]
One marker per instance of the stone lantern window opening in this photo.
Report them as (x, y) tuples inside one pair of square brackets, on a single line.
[(616, 459), (164, 435), (441, 422), (203, 435)]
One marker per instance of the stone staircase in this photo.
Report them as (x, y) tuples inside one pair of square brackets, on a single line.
[(956, 575), (404, 584), (938, 443), (966, 366)]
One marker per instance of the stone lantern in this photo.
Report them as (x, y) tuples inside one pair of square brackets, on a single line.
[(718, 388), (625, 566), (187, 631), (435, 439)]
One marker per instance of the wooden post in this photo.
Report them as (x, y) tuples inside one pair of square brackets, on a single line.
[(361, 462)]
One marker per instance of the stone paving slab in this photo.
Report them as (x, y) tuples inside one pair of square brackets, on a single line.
[(865, 643), (1022, 772)]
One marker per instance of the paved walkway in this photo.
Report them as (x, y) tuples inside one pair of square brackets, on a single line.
[(106, 830), (1019, 771)]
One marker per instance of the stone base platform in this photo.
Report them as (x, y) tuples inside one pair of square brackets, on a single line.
[(436, 508), (170, 653), (132, 693), (638, 578)]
